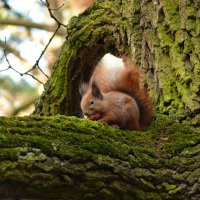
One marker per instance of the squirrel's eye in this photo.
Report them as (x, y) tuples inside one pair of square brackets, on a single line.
[(92, 101)]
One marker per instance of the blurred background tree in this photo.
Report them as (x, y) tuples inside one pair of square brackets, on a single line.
[(25, 30)]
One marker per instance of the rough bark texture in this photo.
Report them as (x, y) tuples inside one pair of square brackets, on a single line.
[(161, 36), (70, 158), (109, 26), (171, 49)]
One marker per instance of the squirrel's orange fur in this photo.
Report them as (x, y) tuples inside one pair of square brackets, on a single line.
[(115, 95)]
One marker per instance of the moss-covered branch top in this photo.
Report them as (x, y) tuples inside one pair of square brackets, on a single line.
[(70, 158)]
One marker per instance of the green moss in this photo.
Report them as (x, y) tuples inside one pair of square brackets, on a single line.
[(143, 195), (3, 138), (42, 180), (32, 157), (107, 194), (182, 176), (168, 186), (152, 39), (191, 151), (89, 196), (196, 43), (191, 26), (194, 176), (58, 138), (7, 165), (11, 153), (151, 12), (147, 185), (164, 36), (180, 36), (172, 17)]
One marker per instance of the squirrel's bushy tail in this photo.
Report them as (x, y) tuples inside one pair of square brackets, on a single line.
[(132, 84)]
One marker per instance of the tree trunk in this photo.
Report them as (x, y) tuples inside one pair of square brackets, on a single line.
[(70, 158), (160, 36)]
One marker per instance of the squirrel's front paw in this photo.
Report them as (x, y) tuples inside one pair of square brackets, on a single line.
[(94, 117)]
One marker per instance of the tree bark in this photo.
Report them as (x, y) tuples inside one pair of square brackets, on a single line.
[(162, 37), (70, 158)]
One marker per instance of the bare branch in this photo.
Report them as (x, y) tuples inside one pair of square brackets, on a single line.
[(58, 7), (3, 70), (37, 61), (51, 14), (29, 24), (11, 50), (10, 67), (27, 103), (8, 7)]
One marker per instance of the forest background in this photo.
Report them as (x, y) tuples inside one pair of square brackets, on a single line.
[(26, 28)]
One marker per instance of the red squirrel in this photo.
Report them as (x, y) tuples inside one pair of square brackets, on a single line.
[(115, 95)]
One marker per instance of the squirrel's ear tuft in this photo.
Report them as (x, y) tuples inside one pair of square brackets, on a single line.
[(96, 91), (83, 88)]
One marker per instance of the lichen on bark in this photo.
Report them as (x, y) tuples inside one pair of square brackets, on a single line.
[(97, 31), (92, 160), (67, 157), (159, 36), (170, 52)]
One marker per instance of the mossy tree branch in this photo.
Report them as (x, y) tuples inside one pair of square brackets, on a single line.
[(61, 157), (70, 158)]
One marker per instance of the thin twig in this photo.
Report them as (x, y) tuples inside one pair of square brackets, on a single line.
[(10, 67), (29, 24), (11, 50), (58, 7), (34, 78), (38, 60), (51, 14), (3, 70), (8, 7), (36, 65)]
